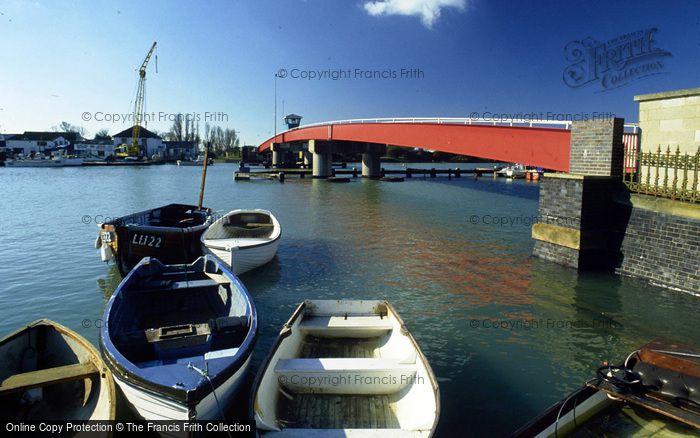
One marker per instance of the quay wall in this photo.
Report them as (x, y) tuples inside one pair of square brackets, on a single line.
[(661, 242), (589, 220)]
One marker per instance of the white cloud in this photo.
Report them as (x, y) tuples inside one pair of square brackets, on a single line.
[(428, 10)]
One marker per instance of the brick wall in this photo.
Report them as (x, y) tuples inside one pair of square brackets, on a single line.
[(662, 247), (596, 147), (582, 203)]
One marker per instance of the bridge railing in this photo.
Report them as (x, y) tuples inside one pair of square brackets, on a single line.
[(450, 120), (562, 124)]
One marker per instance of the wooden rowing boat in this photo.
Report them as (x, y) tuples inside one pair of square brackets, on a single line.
[(345, 368), (50, 373), (655, 392), (243, 239), (178, 338), (169, 233)]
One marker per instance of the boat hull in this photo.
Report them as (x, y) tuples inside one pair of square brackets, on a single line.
[(34, 163), (355, 365), (151, 405), (194, 356), (129, 239), (245, 259), (88, 395), (242, 254)]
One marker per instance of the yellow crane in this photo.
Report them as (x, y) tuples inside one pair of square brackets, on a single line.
[(133, 150)]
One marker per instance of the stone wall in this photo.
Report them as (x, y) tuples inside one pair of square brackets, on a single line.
[(670, 119)]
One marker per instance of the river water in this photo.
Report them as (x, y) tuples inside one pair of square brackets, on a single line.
[(506, 334)]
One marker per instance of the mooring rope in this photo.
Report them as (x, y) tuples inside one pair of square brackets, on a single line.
[(205, 374)]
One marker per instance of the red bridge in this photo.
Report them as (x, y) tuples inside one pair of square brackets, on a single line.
[(544, 144)]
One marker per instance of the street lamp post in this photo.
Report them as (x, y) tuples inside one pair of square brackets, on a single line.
[(276, 76)]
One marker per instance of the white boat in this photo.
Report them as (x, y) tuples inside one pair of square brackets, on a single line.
[(39, 160), (243, 239), (198, 162), (345, 369), (515, 171), (50, 373), (58, 159)]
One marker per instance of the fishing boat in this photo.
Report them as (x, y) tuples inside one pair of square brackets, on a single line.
[(345, 368), (243, 239), (655, 392), (178, 338), (170, 233), (50, 373)]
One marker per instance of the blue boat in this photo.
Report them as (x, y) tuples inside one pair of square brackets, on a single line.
[(178, 338)]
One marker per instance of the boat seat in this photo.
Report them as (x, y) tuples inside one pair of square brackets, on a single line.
[(670, 383), (160, 285), (228, 324), (366, 376), (46, 377), (351, 327)]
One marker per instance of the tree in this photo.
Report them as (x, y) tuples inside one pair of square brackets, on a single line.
[(67, 127), (175, 133), (102, 134)]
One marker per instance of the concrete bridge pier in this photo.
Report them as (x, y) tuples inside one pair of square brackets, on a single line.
[(371, 165), (322, 158), (371, 161), (278, 153), (308, 158)]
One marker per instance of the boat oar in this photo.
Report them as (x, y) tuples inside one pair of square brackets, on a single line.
[(204, 175)]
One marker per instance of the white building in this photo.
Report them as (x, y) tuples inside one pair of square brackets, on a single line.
[(149, 142), (99, 149), (32, 141)]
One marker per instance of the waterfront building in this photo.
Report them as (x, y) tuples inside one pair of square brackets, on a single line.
[(181, 150), (97, 148), (150, 142), (37, 141)]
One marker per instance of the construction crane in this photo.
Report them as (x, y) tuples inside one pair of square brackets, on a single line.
[(133, 150)]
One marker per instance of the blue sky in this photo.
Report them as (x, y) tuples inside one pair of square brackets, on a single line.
[(62, 59)]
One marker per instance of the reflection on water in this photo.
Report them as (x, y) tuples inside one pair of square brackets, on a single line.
[(468, 289)]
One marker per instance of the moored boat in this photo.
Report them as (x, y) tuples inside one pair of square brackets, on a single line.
[(39, 160), (197, 162), (178, 338), (515, 171), (50, 373), (655, 392), (345, 368), (243, 239), (170, 233)]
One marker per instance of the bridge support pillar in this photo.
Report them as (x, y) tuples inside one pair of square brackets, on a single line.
[(371, 165), (322, 152), (308, 158), (578, 222), (371, 161), (278, 153)]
